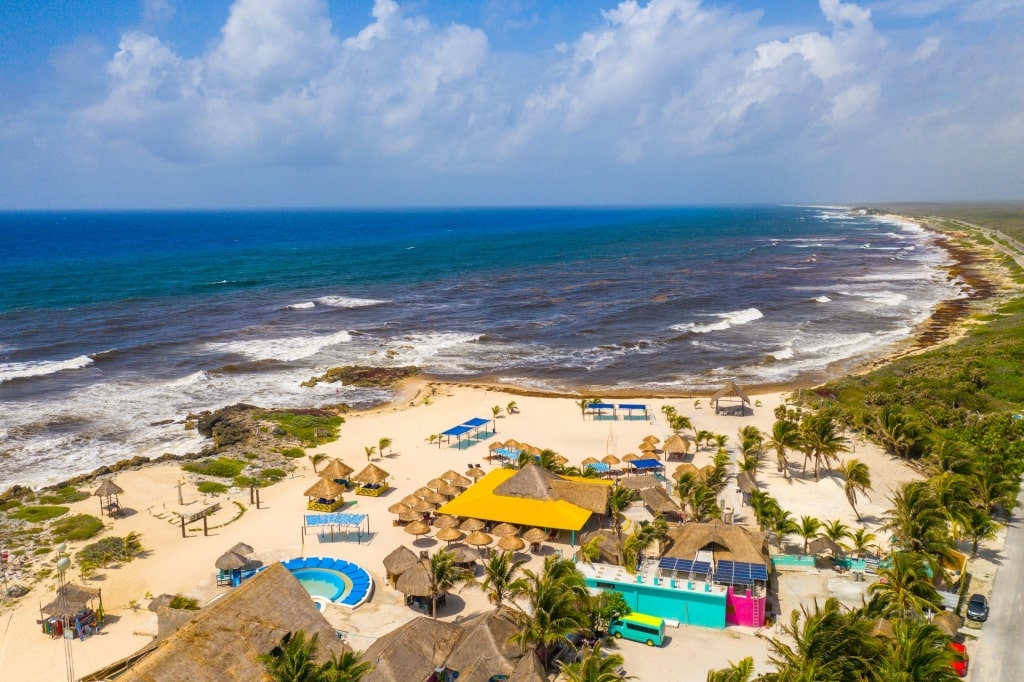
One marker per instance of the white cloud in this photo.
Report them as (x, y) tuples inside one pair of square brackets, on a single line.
[(926, 49)]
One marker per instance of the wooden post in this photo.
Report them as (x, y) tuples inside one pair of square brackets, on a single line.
[(205, 531), (250, 493), (183, 527), (257, 498)]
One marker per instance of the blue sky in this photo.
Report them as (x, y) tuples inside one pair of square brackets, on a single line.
[(267, 103)]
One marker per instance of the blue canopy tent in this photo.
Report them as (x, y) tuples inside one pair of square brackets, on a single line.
[(646, 465), (470, 426), (634, 407), (596, 410)]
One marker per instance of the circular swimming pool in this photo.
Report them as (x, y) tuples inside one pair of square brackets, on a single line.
[(333, 580)]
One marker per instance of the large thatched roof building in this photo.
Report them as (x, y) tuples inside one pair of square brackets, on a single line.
[(478, 648), (225, 640), (727, 541)]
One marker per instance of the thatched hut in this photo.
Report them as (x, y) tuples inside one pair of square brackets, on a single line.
[(676, 445), (684, 469), (639, 482), (400, 560), (411, 652), (108, 492), (372, 479), (734, 393), (658, 501), (225, 640), (337, 471), (325, 495), (822, 544), (485, 651), (948, 622)]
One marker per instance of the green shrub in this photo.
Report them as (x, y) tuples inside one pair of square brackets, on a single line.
[(212, 487), (308, 428), (39, 551), (180, 601), (110, 550), (273, 475), (65, 495), (10, 504), (251, 456), (38, 514), (292, 453), (222, 467), (245, 481), (77, 527)]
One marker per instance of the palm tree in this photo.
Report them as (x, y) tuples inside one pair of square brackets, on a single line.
[(808, 530), (822, 440), (371, 450), (444, 575), (553, 606), (829, 645), (736, 672), (590, 551), (861, 541), (348, 666), (584, 403), (781, 525), (765, 507), (679, 422), (836, 531), (751, 441), (495, 411), (316, 459), (594, 666), (916, 521), (668, 411), (703, 436), (857, 477), (952, 493), (905, 587), (618, 501), (512, 407), (293, 661), (898, 433), (917, 652), (704, 504), (978, 526), (383, 443), (785, 436), (501, 580)]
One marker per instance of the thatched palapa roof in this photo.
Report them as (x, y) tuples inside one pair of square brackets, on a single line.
[(336, 469), (823, 544), (224, 641), (658, 501), (536, 483), (484, 650), (415, 580), (746, 482), (70, 599), (676, 443), (371, 473), (727, 541), (731, 390), (400, 560), (639, 482), (412, 651), (325, 488), (948, 622), (108, 488)]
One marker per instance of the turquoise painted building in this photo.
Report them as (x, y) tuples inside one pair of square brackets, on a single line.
[(687, 602)]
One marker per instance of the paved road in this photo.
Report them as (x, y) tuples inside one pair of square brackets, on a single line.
[(999, 652)]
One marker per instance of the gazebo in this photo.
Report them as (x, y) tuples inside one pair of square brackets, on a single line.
[(732, 391), (108, 492), (676, 445), (325, 496), (373, 481), (73, 610), (337, 471), (400, 560)]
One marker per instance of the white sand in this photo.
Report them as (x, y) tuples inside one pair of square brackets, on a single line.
[(177, 565)]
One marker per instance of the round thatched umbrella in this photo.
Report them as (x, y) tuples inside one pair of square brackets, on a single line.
[(505, 529), (512, 444), (463, 555), (410, 499), (449, 490), (336, 470), (410, 516), (242, 549), (511, 543), (476, 473), (685, 468), (647, 448), (449, 535), (652, 439), (230, 561), (470, 525), (676, 443), (423, 492), (478, 538), (558, 459), (463, 482), (630, 457), (535, 535), (495, 445), (446, 521), (450, 476), (417, 528), (424, 507), (590, 460), (611, 460), (532, 450), (650, 454), (436, 498), (399, 508), (435, 483)]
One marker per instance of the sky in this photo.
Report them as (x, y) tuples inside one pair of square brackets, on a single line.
[(384, 103)]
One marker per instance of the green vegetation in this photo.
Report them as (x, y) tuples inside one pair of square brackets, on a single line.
[(9, 505), (292, 453), (212, 487), (65, 495), (110, 550), (38, 514), (295, 660), (180, 601), (222, 467), (310, 429), (77, 527), (272, 475)]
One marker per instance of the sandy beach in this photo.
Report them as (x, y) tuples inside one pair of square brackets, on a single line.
[(174, 564)]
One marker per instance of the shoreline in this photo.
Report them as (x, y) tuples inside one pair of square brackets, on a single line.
[(973, 263)]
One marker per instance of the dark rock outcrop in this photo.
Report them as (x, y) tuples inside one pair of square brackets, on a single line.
[(359, 375)]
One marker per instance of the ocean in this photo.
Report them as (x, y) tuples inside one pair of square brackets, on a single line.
[(115, 325)]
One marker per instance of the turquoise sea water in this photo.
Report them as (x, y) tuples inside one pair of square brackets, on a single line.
[(113, 325)]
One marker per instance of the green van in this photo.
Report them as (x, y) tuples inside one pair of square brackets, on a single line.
[(639, 627)]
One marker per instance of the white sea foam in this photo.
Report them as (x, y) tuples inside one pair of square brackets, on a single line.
[(823, 299), (349, 301), (285, 349), (886, 298), (24, 370), (726, 320), (300, 306)]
